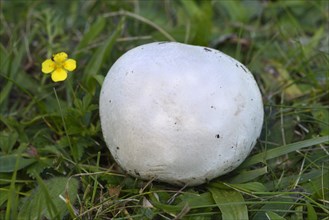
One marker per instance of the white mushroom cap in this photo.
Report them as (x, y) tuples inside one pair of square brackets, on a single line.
[(178, 113)]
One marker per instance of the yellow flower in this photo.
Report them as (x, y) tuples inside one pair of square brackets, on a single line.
[(58, 66)]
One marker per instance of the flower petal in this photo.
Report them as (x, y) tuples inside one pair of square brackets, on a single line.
[(70, 64), (59, 75), (60, 57), (48, 66)]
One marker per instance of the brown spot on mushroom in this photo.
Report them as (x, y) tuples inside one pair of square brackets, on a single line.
[(207, 49), (239, 109), (244, 69), (240, 104), (228, 168), (136, 172), (217, 136)]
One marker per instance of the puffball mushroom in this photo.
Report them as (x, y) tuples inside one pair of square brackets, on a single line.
[(179, 113)]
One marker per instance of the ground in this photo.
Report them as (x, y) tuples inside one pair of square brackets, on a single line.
[(54, 163)]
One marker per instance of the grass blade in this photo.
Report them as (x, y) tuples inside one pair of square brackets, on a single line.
[(279, 151), (45, 201), (275, 208), (230, 202), (249, 187), (311, 214), (10, 163), (93, 32), (246, 176), (99, 57), (273, 216)]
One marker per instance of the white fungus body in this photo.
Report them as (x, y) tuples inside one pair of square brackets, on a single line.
[(178, 113)]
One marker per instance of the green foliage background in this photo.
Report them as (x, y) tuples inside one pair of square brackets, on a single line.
[(53, 161)]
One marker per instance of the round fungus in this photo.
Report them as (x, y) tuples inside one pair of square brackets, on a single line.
[(179, 113)]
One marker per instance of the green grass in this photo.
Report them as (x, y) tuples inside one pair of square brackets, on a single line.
[(50, 138)]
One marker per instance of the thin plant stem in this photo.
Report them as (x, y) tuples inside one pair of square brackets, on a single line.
[(142, 19), (65, 128)]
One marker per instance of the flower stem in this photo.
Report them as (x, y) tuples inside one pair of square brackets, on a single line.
[(75, 157)]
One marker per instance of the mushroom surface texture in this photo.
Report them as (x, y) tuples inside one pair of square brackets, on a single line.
[(179, 113)]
